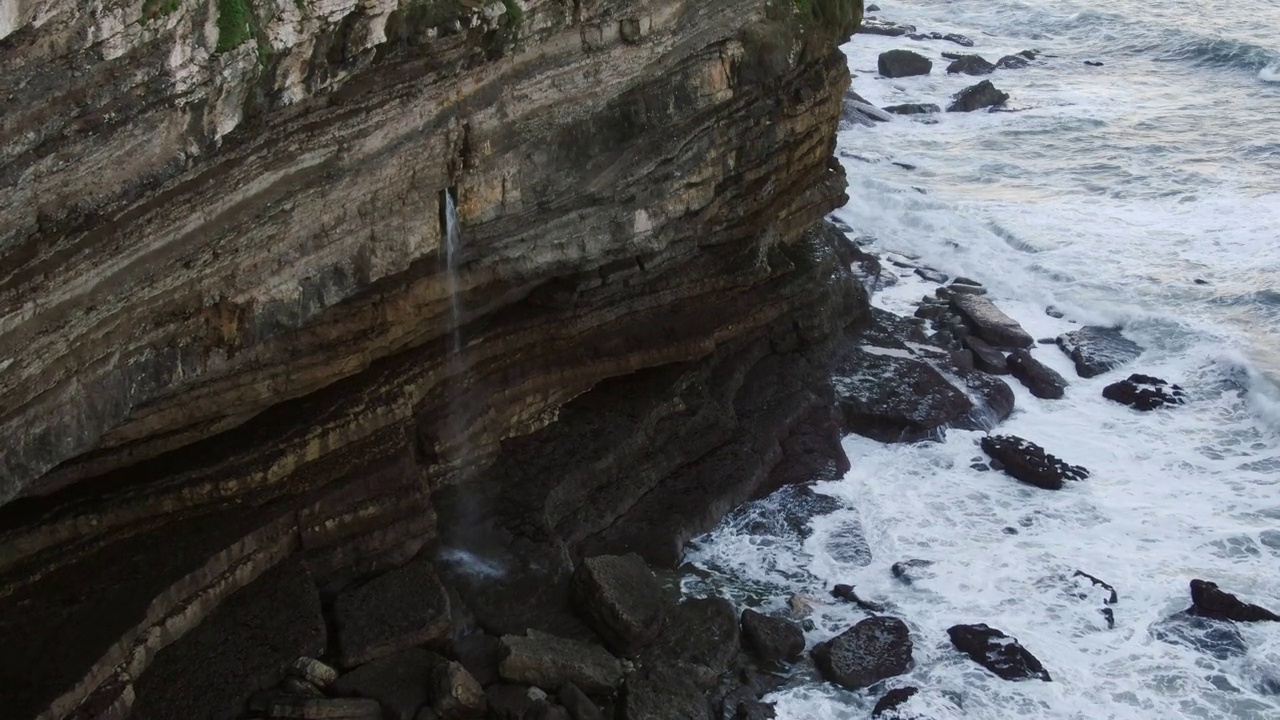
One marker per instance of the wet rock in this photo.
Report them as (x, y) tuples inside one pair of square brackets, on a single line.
[(997, 652), (1029, 54), (1053, 312), (298, 686), (958, 39), (873, 8), (665, 694), (867, 110), (881, 27), (302, 708), (1094, 63), (1112, 599), (847, 593), (913, 109), (1096, 350), (962, 361), (513, 702), (995, 401), (621, 599), (887, 706), (1143, 392), (870, 651), (772, 638), (480, 654), (1029, 462), (931, 275), (986, 358), (892, 398), (966, 289), (1216, 638), (314, 671), (903, 63), (971, 65), (909, 166), (1041, 380), (395, 611), (1210, 601), (702, 638), (785, 514), (580, 706), (989, 323), (1012, 62), (755, 710), (909, 571), (398, 682), (977, 97), (455, 694), (426, 713), (549, 662)]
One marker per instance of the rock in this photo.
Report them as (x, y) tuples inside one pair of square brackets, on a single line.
[(989, 323), (977, 97), (1029, 54), (881, 27), (1096, 350), (931, 275), (847, 593), (1114, 596), (426, 713), (1029, 463), (480, 654), (966, 289), (1143, 392), (1053, 312), (1219, 639), (772, 638), (896, 399), (872, 8), (958, 39), (913, 109), (971, 65), (1041, 380), (887, 705), (871, 112), (512, 702), (621, 599), (1209, 601), (578, 704), (986, 358), (314, 671), (1012, 62), (1093, 63), (298, 686), (907, 166), (398, 682), (549, 662), (395, 611), (455, 694), (870, 651), (994, 402), (908, 571), (323, 708), (997, 652), (753, 710), (702, 638), (963, 361), (663, 695), (903, 63)]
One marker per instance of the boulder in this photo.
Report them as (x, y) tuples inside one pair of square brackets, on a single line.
[(865, 110), (977, 97), (909, 571), (323, 708), (994, 404), (986, 358), (313, 671), (1012, 62), (701, 638), (903, 63), (929, 274), (549, 662), (517, 702), (971, 65), (870, 651), (887, 706), (997, 652), (1143, 392), (1029, 54), (881, 27), (913, 109), (1096, 350), (395, 611), (621, 600), (989, 323), (298, 686), (398, 682), (480, 654), (849, 594), (958, 39), (665, 694), (873, 8), (455, 694), (1029, 462), (772, 638), (1218, 639), (580, 706), (1041, 380), (1210, 601), (896, 397)]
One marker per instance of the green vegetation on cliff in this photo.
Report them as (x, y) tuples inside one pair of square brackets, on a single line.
[(235, 24), (152, 9)]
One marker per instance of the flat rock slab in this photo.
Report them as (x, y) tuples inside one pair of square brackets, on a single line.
[(1145, 393), (913, 109), (896, 397), (870, 651), (1043, 381), (995, 401), (1096, 350), (398, 682), (324, 708), (621, 599), (1210, 601), (881, 27), (395, 611), (1028, 462), (663, 695), (977, 97), (985, 357), (772, 638), (997, 652), (989, 323), (549, 662), (702, 637)]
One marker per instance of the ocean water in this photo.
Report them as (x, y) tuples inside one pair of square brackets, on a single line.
[(1108, 194)]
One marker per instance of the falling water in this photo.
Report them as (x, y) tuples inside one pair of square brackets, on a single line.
[(452, 249)]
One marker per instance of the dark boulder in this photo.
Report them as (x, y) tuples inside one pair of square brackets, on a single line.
[(958, 39), (913, 109), (398, 682), (929, 274), (517, 702), (1218, 639), (849, 594), (864, 110), (874, 649), (620, 598), (1094, 63), (989, 323), (986, 358), (873, 8), (997, 652), (1029, 54), (977, 97), (549, 662), (887, 706), (971, 65), (903, 63), (1012, 62), (580, 706), (1143, 392), (772, 638), (395, 611), (1029, 462), (1210, 601), (665, 694), (480, 654), (702, 638), (881, 27), (892, 398), (1041, 380), (995, 400), (285, 706), (455, 694), (1096, 350), (909, 571)]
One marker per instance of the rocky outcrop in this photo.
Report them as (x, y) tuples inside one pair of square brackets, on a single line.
[(870, 651), (903, 63), (1096, 350), (550, 662), (971, 65), (1043, 381), (997, 652), (1210, 601), (978, 97), (772, 638), (621, 599), (1145, 393), (913, 109), (1029, 462), (234, 340), (990, 323)]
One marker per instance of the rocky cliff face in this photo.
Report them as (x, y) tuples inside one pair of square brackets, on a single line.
[(231, 350)]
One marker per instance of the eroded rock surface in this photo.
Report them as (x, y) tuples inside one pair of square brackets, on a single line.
[(997, 652), (1029, 462), (1145, 393), (870, 651), (1096, 350)]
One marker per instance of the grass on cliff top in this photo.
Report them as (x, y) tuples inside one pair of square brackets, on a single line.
[(235, 24), (152, 9)]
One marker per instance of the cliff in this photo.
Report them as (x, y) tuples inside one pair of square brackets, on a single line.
[(233, 351)]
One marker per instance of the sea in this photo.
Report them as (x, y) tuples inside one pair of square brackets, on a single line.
[(1143, 193)]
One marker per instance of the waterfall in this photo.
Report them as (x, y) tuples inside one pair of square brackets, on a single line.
[(452, 249)]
